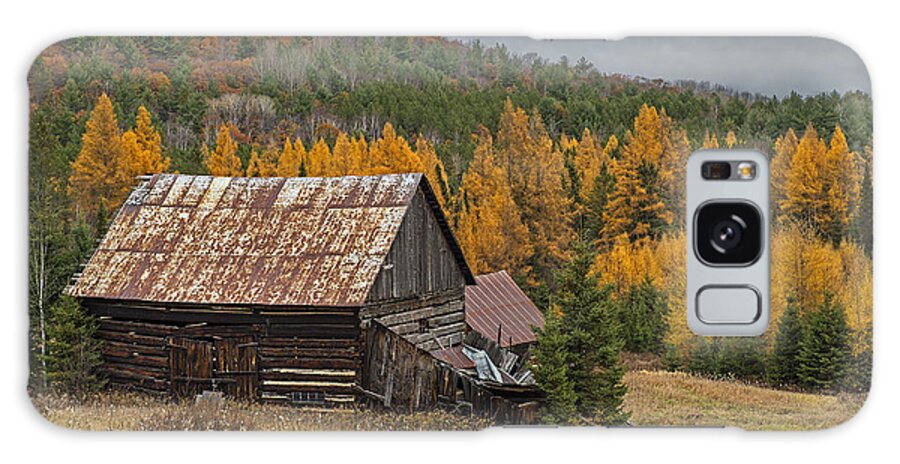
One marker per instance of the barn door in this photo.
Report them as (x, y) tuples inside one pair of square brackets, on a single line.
[(236, 366), (190, 366), (224, 364)]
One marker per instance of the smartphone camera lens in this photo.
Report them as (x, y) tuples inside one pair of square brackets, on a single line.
[(716, 170), (728, 233)]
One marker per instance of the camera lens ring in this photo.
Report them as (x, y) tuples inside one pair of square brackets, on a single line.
[(743, 245)]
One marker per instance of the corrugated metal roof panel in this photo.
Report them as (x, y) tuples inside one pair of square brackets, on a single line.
[(455, 357), (497, 302), (275, 241)]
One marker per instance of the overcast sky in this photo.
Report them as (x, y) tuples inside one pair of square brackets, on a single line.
[(770, 66)]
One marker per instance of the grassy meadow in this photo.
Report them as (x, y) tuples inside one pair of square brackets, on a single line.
[(655, 398)]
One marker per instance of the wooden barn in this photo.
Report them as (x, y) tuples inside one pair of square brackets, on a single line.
[(265, 288)]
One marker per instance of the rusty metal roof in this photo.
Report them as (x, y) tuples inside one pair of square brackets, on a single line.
[(497, 302), (455, 357), (253, 241)]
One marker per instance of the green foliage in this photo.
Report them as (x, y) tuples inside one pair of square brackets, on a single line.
[(73, 354), (550, 371), (642, 316), (590, 331), (728, 357), (784, 362), (824, 350)]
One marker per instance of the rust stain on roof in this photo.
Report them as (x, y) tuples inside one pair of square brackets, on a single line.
[(497, 302), (455, 357), (260, 241)]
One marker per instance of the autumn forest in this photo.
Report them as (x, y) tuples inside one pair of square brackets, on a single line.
[(569, 179)]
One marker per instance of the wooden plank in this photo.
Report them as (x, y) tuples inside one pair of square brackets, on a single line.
[(141, 328), (162, 315), (423, 313), (296, 342), (130, 338), (309, 363), (314, 331), (156, 350), (349, 352)]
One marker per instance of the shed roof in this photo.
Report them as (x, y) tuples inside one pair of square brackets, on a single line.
[(254, 241), (497, 302)]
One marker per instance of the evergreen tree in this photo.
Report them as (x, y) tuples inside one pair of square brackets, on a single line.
[(551, 369), (642, 315), (784, 362), (73, 354), (824, 347), (593, 344)]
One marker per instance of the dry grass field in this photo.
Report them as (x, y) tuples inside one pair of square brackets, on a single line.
[(116, 411), (655, 398), (659, 398)]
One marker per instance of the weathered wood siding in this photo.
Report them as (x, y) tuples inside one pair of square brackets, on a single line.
[(398, 376), (420, 291), (299, 355), (430, 323), (419, 262)]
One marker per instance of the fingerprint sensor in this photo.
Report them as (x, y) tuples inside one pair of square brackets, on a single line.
[(728, 304)]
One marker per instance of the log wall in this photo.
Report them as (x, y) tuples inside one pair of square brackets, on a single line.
[(308, 356)]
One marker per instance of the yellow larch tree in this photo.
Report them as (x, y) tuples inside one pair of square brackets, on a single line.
[(589, 163), (804, 194), (344, 162), (730, 139), (842, 186), (710, 140), (780, 169), (434, 170), (102, 172), (143, 146), (318, 160), (291, 159), (265, 164), (489, 226), (223, 160), (671, 177), (635, 206), (359, 152), (391, 153)]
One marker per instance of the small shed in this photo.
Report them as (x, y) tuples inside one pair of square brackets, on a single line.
[(264, 288), (499, 310)]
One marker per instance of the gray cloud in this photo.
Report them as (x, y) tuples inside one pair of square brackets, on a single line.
[(766, 65)]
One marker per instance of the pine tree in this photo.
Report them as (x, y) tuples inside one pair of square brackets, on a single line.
[(223, 161), (784, 362), (594, 344), (291, 160), (824, 348), (551, 368), (73, 354), (100, 173), (642, 315)]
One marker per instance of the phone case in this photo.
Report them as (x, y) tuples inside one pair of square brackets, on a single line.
[(406, 233)]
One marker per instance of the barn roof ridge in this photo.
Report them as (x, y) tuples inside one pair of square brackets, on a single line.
[(295, 241)]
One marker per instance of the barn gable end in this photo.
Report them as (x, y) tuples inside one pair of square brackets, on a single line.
[(421, 269)]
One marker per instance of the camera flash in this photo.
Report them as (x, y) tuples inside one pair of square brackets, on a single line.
[(746, 170)]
